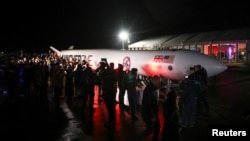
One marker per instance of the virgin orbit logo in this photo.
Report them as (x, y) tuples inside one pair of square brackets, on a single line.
[(126, 63)]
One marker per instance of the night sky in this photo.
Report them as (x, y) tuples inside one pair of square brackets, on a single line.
[(36, 25)]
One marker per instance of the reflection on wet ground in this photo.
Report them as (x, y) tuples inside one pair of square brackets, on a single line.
[(32, 120)]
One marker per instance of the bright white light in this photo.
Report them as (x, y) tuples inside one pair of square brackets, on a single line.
[(123, 35)]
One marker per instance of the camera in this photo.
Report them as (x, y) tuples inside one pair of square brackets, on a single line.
[(104, 60)]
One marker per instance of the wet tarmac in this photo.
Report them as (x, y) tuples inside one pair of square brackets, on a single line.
[(30, 119)]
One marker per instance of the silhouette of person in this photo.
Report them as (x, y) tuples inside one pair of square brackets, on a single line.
[(201, 75), (99, 72), (171, 126), (57, 76), (131, 89), (69, 86), (109, 94), (150, 108), (121, 85), (190, 95)]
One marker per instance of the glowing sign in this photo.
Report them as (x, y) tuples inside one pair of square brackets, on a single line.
[(164, 58)]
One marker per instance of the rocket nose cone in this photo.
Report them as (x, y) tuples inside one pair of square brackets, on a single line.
[(224, 67), (214, 67), (221, 67), (218, 68)]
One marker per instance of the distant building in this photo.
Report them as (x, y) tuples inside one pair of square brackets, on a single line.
[(226, 45)]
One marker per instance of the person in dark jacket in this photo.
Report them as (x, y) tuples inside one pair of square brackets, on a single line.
[(190, 95), (99, 73), (131, 91), (150, 109), (57, 76), (69, 85), (202, 101), (89, 85), (120, 79), (109, 94), (171, 126)]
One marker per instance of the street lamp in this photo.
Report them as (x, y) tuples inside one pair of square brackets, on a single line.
[(123, 36)]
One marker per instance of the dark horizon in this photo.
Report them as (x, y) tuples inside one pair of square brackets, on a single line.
[(34, 26)]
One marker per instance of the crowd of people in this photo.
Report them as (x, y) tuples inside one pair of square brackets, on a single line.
[(77, 80)]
